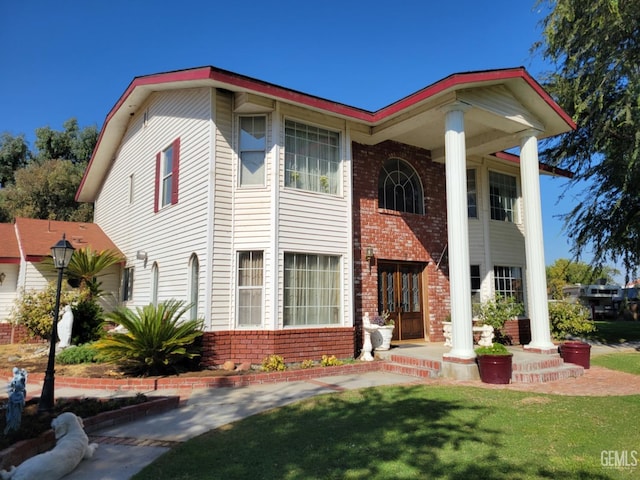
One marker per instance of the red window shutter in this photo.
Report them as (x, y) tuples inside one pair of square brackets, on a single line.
[(176, 171), (156, 190)]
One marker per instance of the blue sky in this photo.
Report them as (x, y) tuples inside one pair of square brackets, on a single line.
[(75, 58)]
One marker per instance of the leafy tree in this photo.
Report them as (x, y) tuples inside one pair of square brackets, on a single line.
[(157, 340), (46, 190), (594, 47), (565, 272), (14, 154), (71, 144)]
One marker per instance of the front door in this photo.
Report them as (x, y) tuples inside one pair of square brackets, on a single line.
[(400, 293)]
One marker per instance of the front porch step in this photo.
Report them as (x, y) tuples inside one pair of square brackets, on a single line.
[(543, 375), (539, 368), (414, 367)]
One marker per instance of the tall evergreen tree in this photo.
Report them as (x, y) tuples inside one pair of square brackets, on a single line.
[(594, 47)]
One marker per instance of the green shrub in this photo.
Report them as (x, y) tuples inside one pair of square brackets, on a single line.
[(273, 363), (569, 319), (88, 319), (75, 355), (497, 311), (495, 349), (157, 341), (34, 309), (330, 361)]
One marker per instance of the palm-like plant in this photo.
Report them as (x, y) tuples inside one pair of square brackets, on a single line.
[(86, 266), (157, 341)]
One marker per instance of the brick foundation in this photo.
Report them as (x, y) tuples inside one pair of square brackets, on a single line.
[(10, 333), (293, 345), (518, 331)]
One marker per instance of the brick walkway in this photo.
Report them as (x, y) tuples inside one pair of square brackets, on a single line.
[(596, 382)]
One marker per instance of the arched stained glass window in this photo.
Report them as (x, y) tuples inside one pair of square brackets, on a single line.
[(399, 187)]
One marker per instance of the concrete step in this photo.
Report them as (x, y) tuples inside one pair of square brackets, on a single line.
[(536, 362)]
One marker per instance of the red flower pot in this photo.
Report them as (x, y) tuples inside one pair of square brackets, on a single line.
[(577, 353), (495, 369)]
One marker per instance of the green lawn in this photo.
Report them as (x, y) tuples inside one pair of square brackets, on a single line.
[(419, 432), (615, 332), (625, 362)]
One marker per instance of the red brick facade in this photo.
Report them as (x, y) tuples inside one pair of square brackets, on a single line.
[(400, 237), (293, 345), (10, 333)]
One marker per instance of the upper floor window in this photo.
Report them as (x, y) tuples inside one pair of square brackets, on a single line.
[(503, 196), (252, 150), (250, 286), (472, 194), (399, 187), (312, 158), (167, 169)]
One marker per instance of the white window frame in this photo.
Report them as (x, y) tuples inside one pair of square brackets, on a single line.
[(251, 287), (166, 176), (508, 282), (127, 284), (155, 281), (472, 193), (303, 305), (251, 150), (194, 285), (503, 198), (397, 178), (310, 164)]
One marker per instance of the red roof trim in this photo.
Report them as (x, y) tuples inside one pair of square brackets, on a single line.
[(510, 157), (34, 258), (225, 76), (5, 260)]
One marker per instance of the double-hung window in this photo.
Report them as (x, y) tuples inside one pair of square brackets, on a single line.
[(312, 158), (503, 197), (311, 289), (167, 172), (252, 150), (250, 288)]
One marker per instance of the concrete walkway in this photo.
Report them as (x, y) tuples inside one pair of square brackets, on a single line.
[(127, 448)]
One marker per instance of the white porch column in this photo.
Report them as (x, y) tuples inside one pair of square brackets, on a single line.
[(458, 233), (534, 243)]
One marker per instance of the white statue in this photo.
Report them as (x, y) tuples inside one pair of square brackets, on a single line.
[(65, 325)]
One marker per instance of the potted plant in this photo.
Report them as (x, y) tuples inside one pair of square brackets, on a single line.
[(381, 336), (494, 364)]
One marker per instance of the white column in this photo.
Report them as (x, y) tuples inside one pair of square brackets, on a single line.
[(534, 243), (458, 232)]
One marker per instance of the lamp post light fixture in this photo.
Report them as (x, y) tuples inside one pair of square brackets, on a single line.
[(61, 253)]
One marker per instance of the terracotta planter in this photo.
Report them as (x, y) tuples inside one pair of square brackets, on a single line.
[(495, 369), (577, 353)]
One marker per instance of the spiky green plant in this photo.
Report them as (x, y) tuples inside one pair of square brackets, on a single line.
[(157, 340)]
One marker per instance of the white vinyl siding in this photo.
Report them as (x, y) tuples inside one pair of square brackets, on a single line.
[(171, 235), (8, 289)]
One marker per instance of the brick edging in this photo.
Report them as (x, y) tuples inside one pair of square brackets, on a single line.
[(189, 383), (24, 449)]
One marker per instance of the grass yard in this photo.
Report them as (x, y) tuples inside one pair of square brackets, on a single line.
[(615, 332), (419, 432), (624, 362)]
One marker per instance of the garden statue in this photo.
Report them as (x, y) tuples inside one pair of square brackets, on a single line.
[(65, 325), (17, 393)]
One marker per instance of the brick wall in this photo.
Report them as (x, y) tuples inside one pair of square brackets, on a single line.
[(293, 345), (518, 331), (10, 333), (399, 236)]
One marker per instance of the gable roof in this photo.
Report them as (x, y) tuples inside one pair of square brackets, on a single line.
[(9, 249), (402, 120), (36, 237)]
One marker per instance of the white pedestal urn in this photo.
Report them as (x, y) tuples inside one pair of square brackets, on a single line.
[(381, 337)]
